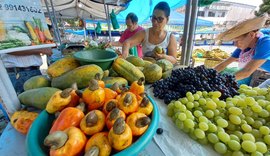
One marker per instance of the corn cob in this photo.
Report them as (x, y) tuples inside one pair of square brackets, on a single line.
[(2, 31), (32, 32)]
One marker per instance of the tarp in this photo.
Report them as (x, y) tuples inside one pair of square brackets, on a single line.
[(86, 9), (144, 8)]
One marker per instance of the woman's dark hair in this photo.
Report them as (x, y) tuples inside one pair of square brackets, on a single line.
[(49, 26), (133, 17), (164, 6)]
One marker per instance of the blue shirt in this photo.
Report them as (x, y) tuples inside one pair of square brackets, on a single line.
[(262, 52)]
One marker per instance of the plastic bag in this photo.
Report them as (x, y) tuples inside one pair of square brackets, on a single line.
[(98, 28), (114, 20)]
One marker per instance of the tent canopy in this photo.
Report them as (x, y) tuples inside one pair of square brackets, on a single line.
[(86, 9), (179, 19)]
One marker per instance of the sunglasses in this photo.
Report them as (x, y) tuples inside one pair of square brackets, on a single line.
[(158, 19)]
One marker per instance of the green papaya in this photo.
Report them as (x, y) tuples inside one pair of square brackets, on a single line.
[(37, 82)]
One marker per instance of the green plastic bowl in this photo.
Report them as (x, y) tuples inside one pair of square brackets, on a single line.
[(41, 127), (102, 58)]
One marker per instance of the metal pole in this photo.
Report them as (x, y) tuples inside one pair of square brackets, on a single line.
[(192, 27), (107, 18), (55, 26), (109, 26), (186, 31)]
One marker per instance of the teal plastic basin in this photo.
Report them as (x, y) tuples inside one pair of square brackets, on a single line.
[(102, 58), (41, 127)]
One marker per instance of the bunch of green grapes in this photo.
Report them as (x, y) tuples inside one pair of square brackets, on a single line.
[(237, 126)]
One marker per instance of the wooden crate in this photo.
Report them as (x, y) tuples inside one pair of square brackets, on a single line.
[(258, 77)]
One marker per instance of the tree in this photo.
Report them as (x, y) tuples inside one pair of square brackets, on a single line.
[(264, 8)]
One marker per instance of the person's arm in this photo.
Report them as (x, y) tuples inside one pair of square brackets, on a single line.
[(133, 41), (116, 44), (46, 51), (251, 67), (220, 67)]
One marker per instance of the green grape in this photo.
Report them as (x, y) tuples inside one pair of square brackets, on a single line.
[(199, 133), (203, 126), (267, 139), (235, 111), (249, 146), (256, 108), (262, 120), (237, 153), (248, 136), (220, 129), (176, 110), (212, 137), (196, 104), (186, 129), (190, 98), (261, 102), (261, 147), (196, 96), (247, 112), (244, 86), (249, 120), (188, 94), (203, 119), (205, 94), (256, 153), (209, 114), (217, 117), (199, 93), (231, 126), (228, 153), (216, 112), (234, 137), (216, 94), (234, 145), (264, 130), (179, 124), (221, 104), (211, 105), (212, 127), (262, 91), (228, 99), (190, 105), (264, 113), (241, 103), (202, 101), (203, 141), (242, 116), (182, 116), (222, 123), (189, 115), (246, 128), (268, 108), (197, 113), (257, 124), (235, 119), (171, 105), (177, 104), (250, 101), (256, 133), (235, 101), (238, 134), (170, 112), (220, 148), (184, 100), (223, 136), (215, 99), (182, 108), (189, 123), (229, 104)]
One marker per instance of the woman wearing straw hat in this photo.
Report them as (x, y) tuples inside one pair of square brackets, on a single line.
[(253, 47)]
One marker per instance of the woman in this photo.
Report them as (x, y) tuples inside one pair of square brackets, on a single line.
[(253, 48), (132, 28), (155, 36)]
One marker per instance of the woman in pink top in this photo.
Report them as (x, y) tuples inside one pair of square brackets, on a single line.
[(132, 28)]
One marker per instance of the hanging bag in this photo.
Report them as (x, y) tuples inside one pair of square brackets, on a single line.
[(98, 28), (114, 20)]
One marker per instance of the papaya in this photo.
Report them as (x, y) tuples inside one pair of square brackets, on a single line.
[(112, 80), (112, 73), (37, 82), (37, 97), (146, 63), (166, 74), (164, 64), (140, 68), (136, 61), (152, 73), (62, 66), (81, 75), (150, 59), (127, 70)]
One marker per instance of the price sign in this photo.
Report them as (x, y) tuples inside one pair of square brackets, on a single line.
[(22, 23)]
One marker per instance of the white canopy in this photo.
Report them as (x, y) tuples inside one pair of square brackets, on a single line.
[(86, 9)]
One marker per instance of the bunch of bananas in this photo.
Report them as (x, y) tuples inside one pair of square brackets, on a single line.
[(215, 53)]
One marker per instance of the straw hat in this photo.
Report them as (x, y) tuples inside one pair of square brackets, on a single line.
[(243, 28)]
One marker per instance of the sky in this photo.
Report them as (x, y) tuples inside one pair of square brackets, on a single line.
[(249, 2)]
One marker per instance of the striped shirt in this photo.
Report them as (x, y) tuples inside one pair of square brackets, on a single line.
[(11, 61)]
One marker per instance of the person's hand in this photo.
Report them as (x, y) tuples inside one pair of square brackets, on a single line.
[(159, 56)]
